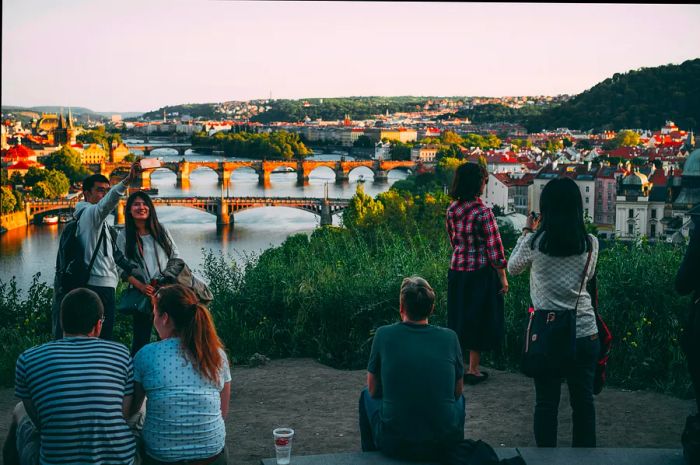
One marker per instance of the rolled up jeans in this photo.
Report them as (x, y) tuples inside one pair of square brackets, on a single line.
[(579, 378)]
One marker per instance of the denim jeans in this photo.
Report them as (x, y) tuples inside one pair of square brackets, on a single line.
[(579, 377), (371, 420)]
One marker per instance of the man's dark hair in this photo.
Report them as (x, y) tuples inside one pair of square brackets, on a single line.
[(417, 298), (80, 310), (467, 182), (91, 180)]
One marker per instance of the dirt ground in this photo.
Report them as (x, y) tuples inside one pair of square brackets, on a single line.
[(320, 403)]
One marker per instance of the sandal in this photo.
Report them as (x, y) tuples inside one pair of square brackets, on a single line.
[(473, 379)]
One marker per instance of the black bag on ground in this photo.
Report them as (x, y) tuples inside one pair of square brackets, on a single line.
[(470, 452), (133, 301)]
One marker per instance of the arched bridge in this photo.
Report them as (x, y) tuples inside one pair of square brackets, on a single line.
[(342, 169), (222, 207), (148, 148)]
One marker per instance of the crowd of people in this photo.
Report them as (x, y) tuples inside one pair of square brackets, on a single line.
[(88, 399)]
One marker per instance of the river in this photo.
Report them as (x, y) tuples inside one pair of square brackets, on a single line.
[(30, 250)]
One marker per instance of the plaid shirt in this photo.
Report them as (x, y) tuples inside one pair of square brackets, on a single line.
[(474, 236)]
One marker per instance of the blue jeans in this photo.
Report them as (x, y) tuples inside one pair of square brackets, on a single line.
[(371, 420), (579, 377)]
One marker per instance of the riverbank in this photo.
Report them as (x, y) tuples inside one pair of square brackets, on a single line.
[(12, 221), (320, 403)]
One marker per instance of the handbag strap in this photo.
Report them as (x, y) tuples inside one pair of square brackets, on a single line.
[(585, 272)]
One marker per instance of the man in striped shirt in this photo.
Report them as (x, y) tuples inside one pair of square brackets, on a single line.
[(76, 392)]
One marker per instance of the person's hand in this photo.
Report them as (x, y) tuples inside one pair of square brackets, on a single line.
[(135, 169), (146, 289), (504, 284), (533, 222)]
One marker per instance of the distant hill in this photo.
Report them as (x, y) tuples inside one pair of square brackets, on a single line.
[(77, 111), (195, 110), (641, 99)]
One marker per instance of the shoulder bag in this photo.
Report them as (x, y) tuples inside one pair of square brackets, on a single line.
[(550, 339)]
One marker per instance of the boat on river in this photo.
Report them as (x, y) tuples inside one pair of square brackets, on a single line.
[(64, 217), (50, 219)]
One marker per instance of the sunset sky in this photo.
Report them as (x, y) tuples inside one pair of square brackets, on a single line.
[(138, 55)]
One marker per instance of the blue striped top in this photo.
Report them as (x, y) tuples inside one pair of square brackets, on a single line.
[(77, 386)]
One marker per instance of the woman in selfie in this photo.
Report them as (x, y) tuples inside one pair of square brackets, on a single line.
[(187, 381), (556, 249), (477, 277), (148, 245)]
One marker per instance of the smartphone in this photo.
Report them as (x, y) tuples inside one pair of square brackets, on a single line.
[(148, 163)]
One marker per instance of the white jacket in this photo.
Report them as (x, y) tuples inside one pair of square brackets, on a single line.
[(92, 220)]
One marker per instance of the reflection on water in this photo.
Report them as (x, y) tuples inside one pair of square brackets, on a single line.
[(26, 251)]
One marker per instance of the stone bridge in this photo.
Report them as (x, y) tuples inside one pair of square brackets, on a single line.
[(221, 207), (342, 169), (148, 148)]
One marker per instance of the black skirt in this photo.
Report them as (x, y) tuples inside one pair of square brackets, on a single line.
[(475, 308)]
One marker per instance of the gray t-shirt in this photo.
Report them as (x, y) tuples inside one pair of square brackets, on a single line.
[(417, 367)]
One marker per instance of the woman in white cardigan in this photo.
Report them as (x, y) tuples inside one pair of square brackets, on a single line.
[(556, 252), (149, 246)]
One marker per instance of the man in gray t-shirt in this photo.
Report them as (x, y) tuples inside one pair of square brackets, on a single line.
[(413, 405)]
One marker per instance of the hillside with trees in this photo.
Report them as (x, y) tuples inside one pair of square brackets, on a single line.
[(643, 98)]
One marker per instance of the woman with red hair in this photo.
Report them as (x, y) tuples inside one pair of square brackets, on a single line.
[(186, 378)]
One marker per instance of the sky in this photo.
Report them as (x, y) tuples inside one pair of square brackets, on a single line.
[(140, 55)]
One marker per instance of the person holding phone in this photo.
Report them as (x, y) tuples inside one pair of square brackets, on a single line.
[(477, 277), (148, 246)]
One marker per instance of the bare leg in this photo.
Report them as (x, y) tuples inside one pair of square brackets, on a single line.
[(474, 360)]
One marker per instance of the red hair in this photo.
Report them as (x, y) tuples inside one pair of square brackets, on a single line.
[(195, 328)]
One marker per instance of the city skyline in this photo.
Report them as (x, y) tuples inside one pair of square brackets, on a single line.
[(143, 56)]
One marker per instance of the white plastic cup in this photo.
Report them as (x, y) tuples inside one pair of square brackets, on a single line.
[(283, 444)]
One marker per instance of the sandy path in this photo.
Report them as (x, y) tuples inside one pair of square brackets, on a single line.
[(320, 403)]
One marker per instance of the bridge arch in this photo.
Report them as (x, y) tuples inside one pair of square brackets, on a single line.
[(159, 151), (322, 172), (202, 171), (365, 171)]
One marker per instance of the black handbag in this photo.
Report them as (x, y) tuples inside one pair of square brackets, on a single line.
[(133, 301), (550, 339)]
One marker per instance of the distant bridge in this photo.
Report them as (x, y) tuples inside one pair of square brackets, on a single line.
[(221, 207), (303, 168)]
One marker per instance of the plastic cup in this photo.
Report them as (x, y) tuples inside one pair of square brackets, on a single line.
[(283, 444)]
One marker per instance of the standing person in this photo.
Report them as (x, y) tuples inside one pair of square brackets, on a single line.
[(187, 381), (688, 282), (413, 405), (477, 277), (148, 246), (75, 393), (557, 252), (92, 212)]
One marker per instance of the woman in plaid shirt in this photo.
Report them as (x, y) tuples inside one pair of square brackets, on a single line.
[(477, 277)]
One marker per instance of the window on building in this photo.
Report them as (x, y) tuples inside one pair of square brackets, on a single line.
[(631, 213), (630, 229), (652, 230), (586, 199), (588, 188), (653, 213)]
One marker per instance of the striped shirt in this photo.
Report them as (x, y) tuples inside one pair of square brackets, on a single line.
[(77, 386), (474, 236)]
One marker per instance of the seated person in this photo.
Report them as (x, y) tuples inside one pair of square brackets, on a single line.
[(413, 406), (187, 381), (75, 392)]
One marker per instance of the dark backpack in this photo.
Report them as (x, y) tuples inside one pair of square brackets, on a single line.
[(71, 270), (471, 452)]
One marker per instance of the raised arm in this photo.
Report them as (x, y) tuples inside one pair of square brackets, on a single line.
[(521, 257), (104, 207)]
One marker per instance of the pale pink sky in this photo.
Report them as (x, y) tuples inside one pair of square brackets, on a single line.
[(138, 55)]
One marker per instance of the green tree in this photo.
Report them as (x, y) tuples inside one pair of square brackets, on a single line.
[(584, 144), (553, 145), (53, 183), (567, 142), (450, 138), (363, 142), (446, 168), (363, 209), (67, 160), (626, 138), (400, 151), (8, 201)]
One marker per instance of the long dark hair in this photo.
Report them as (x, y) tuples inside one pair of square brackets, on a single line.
[(195, 328), (467, 182), (155, 229), (562, 232)]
